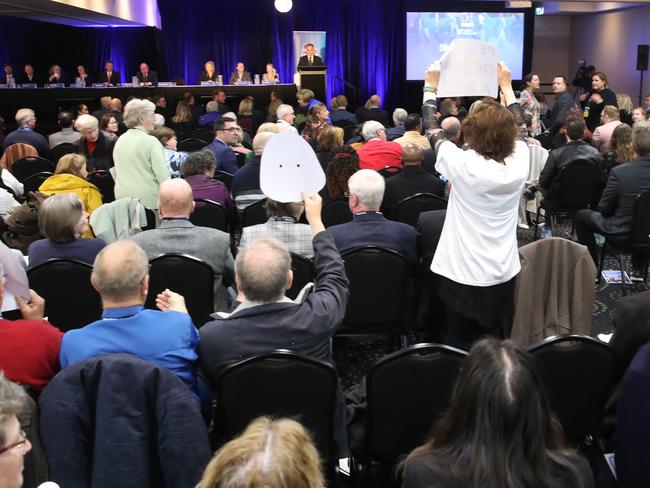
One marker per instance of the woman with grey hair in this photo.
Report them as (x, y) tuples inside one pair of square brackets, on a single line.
[(63, 220), (198, 171), (96, 144), (139, 157), (13, 440)]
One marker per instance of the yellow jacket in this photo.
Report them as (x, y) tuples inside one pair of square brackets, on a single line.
[(66, 183)]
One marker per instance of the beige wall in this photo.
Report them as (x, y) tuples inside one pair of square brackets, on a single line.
[(551, 54)]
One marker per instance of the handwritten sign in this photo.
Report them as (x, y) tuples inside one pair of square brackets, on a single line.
[(469, 69)]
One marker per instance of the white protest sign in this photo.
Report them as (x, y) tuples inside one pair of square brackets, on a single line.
[(469, 69), (289, 167)]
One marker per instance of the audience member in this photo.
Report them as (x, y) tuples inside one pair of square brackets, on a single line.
[(95, 144), (283, 225), (161, 104), (377, 152), (181, 122), (307, 99), (139, 157), (22, 224), (477, 258), (176, 234), (368, 226), (600, 97), (372, 111), (499, 415), (271, 453), (240, 75), (25, 134), (67, 134), (173, 156), (245, 115), (198, 170), (530, 104), (245, 187), (413, 133), (609, 119), (225, 135), (330, 137), (13, 440), (563, 103), (398, 130), (196, 111), (343, 163), (63, 221), (412, 180), (621, 150), (105, 103), (80, 109), (625, 107), (448, 108), (340, 112), (317, 120), (638, 115), (219, 96), (616, 206), (286, 117), (108, 123), (168, 339), (211, 114)]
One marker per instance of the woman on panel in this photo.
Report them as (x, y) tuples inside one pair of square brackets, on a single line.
[(209, 72), (86, 78), (530, 104), (498, 431), (271, 75), (63, 220)]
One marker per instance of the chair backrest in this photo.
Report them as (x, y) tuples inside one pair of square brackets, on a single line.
[(191, 145), (103, 180), (279, 384), (61, 150), (29, 166), (336, 211), (409, 209), (151, 219), (14, 153), (389, 171), (208, 213), (579, 183), (413, 385), (640, 234), (343, 123), (205, 135), (33, 182), (378, 285), (303, 273), (578, 371), (254, 214), (188, 276), (71, 301), (223, 177)]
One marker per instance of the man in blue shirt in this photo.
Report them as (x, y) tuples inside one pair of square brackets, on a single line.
[(26, 121), (168, 339), (225, 135)]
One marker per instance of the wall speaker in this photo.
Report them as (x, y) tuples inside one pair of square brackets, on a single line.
[(642, 57)]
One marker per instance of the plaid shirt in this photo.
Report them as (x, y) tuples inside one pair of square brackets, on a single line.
[(297, 237)]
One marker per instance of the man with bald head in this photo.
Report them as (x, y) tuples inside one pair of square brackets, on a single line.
[(169, 339), (146, 77), (413, 179), (176, 234), (452, 127)]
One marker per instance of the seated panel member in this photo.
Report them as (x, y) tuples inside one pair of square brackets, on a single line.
[(271, 74), (146, 77), (240, 74), (109, 76), (56, 75), (209, 72), (29, 76), (310, 58)]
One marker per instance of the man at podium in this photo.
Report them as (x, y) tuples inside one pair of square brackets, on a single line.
[(310, 58)]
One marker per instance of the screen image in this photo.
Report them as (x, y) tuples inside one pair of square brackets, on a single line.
[(429, 35)]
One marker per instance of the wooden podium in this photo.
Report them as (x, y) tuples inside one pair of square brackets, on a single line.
[(314, 78)]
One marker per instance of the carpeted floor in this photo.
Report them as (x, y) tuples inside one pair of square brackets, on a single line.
[(355, 358)]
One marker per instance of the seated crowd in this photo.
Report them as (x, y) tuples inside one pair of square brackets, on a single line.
[(122, 166)]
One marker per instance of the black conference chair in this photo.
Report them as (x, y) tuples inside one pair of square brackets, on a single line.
[(103, 180), (223, 177), (188, 276), (205, 135), (151, 219), (61, 150), (278, 384), (254, 214), (303, 273), (71, 302), (26, 167), (191, 145), (336, 211), (208, 213), (33, 182), (410, 208), (637, 242), (580, 182), (578, 371), (389, 171), (379, 285), (406, 392)]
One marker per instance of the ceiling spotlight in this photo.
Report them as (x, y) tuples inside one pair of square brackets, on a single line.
[(283, 6)]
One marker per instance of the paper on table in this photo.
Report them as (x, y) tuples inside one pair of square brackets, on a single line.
[(469, 69), (289, 167)]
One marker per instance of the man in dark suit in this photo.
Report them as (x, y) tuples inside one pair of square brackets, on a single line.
[(369, 227), (563, 103), (372, 111), (412, 180), (310, 58), (29, 76), (616, 207), (109, 76), (147, 77), (240, 74), (25, 133), (8, 76)]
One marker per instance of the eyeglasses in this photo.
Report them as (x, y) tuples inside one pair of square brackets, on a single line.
[(21, 442)]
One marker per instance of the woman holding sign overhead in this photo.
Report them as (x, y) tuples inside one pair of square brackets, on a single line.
[(476, 258)]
